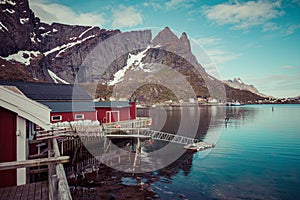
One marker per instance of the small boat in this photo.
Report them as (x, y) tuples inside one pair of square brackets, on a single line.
[(199, 146), (236, 103)]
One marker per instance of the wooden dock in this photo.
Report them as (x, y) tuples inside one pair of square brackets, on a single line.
[(33, 191), (56, 188)]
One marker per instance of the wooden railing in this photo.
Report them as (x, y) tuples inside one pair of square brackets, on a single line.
[(140, 122), (58, 184)]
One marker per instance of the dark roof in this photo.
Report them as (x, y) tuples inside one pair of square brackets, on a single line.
[(68, 106), (50, 91), (112, 104)]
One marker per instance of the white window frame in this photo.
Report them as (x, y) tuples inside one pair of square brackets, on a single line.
[(76, 116), (55, 120), (109, 115)]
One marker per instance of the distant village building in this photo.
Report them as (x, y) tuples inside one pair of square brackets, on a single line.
[(19, 116)]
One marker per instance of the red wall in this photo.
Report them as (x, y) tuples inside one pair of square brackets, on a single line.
[(132, 110), (124, 114), (8, 144), (70, 116)]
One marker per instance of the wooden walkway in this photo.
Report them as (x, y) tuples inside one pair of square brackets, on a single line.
[(32, 191)]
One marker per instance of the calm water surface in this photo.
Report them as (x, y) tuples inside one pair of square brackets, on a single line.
[(257, 154)]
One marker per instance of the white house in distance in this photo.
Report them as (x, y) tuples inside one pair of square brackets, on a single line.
[(18, 116)]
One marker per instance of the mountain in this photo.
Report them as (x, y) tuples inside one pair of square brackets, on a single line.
[(105, 62), (237, 83), (36, 47)]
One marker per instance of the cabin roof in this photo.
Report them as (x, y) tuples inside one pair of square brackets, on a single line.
[(112, 104), (50, 91), (69, 106)]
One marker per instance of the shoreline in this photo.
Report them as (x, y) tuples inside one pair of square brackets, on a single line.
[(207, 104), (109, 184)]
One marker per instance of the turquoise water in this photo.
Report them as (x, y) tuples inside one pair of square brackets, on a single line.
[(257, 156)]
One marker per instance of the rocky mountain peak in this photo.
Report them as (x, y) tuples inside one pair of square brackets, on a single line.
[(184, 43), (237, 83), (18, 27), (165, 38), (168, 41)]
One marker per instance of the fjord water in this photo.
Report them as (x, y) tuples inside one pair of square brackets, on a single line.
[(257, 155)]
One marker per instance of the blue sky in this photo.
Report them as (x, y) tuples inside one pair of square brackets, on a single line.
[(258, 41)]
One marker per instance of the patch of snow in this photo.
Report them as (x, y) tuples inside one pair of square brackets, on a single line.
[(33, 38), (3, 65), (118, 76), (84, 32), (19, 57), (54, 30), (2, 26), (8, 1), (35, 79), (73, 38), (97, 100), (24, 20), (157, 46), (64, 47), (238, 80), (44, 34), (55, 78), (41, 28), (134, 61), (10, 11), (211, 78)]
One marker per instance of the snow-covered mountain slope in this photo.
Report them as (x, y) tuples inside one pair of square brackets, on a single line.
[(41, 47)]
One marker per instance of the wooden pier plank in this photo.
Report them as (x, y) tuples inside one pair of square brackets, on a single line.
[(1, 192), (38, 191), (12, 193), (45, 190), (19, 192), (25, 191), (6, 192), (31, 190)]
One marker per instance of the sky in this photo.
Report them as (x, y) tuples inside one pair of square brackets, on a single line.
[(257, 41)]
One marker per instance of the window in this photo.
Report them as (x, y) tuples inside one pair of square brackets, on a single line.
[(56, 118), (79, 116)]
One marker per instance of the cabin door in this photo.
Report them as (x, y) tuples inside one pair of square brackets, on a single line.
[(112, 116), (8, 144)]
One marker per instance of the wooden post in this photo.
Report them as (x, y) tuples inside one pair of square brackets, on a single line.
[(62, 147)]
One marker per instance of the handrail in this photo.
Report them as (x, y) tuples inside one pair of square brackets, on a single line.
[(33, 162), (58, 184)]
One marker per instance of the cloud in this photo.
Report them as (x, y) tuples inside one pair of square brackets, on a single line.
[(287, 67), (169, 5), (174, 4), (153, 3), (243, 15), (53, 12), (269, 26), (219, 56), (211, 52), (279, 85), (291, 29), (126, 17), (208, 41)]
